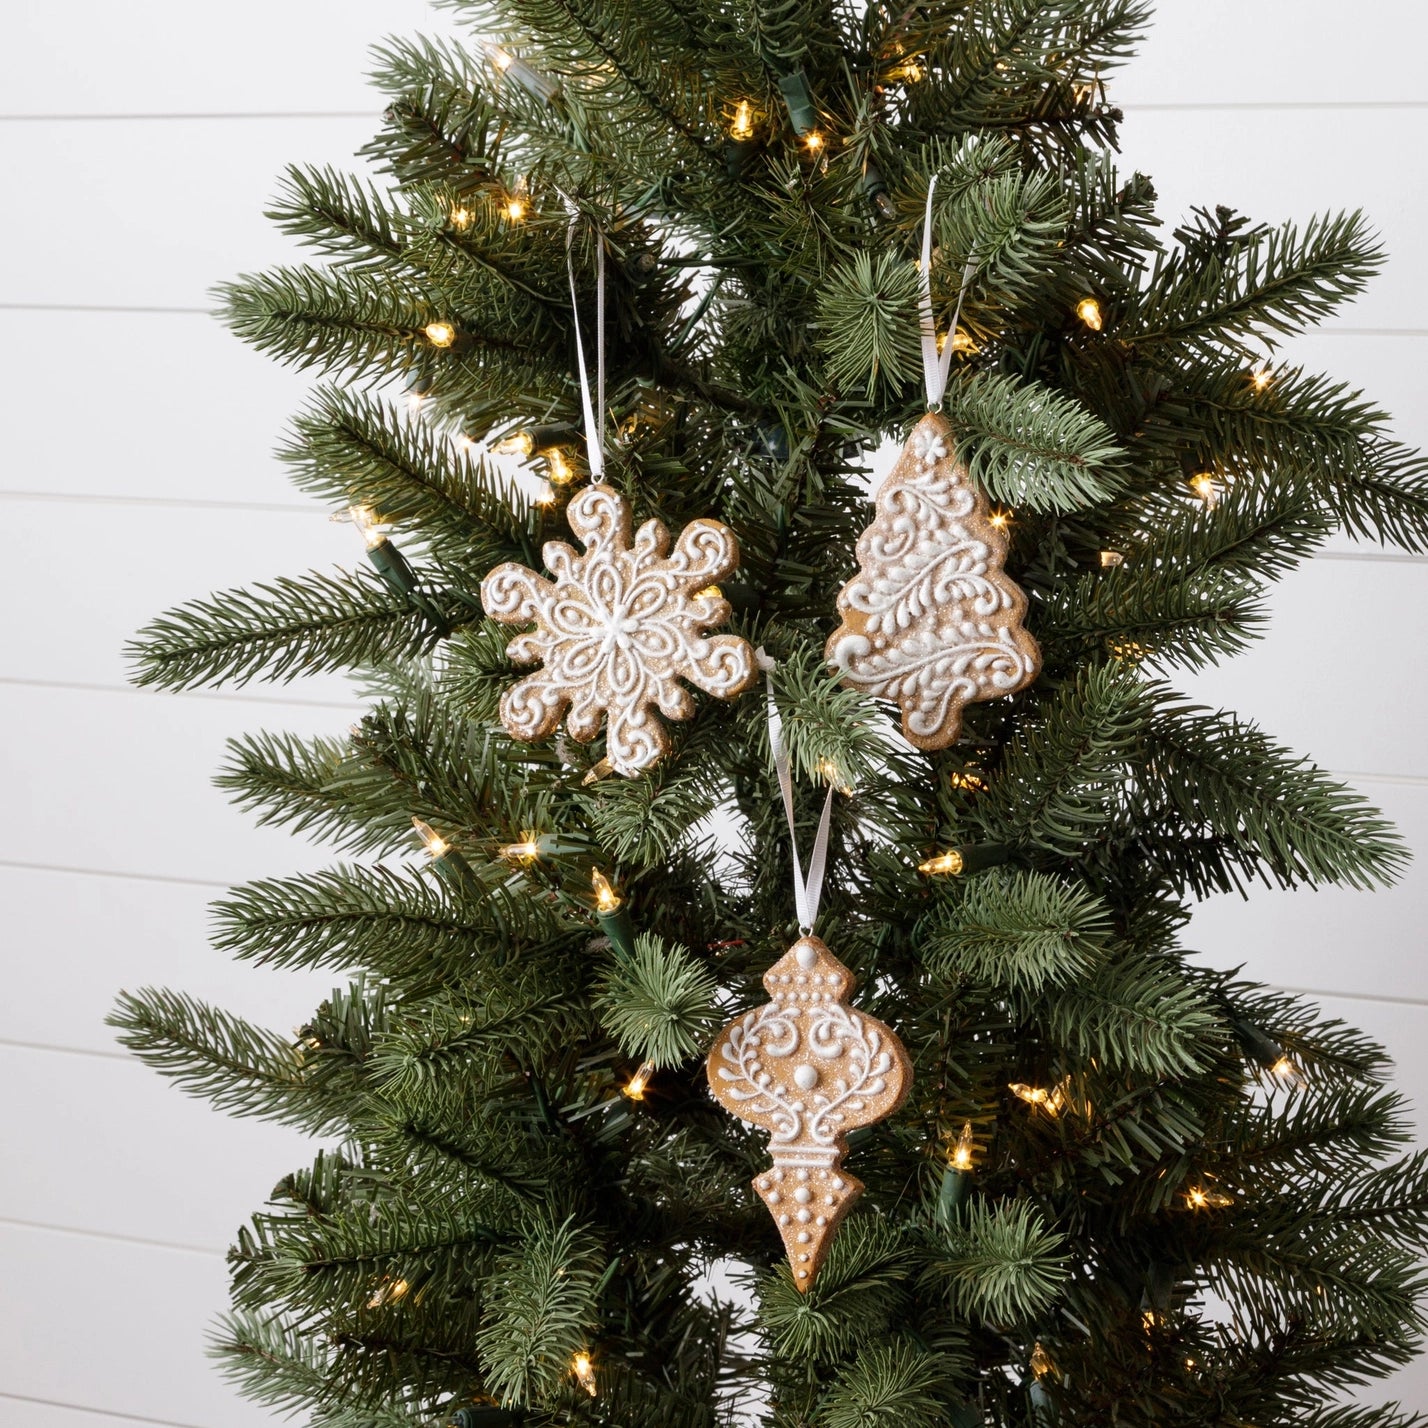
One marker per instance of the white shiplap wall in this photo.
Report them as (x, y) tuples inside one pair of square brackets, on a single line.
[(139, 145)]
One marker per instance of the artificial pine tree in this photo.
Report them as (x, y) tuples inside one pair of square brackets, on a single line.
[(1124, 1187)]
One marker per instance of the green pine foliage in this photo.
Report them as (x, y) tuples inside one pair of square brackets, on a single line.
[(1145, 1132)]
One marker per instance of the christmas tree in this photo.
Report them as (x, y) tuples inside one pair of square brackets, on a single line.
[(691, 264)]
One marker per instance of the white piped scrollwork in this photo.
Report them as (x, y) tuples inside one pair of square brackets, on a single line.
[(808, 1068), (617, 628), (931, 621)]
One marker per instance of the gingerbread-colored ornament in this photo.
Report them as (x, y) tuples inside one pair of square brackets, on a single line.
[(618, 628), (931, 621), (808, 1068)]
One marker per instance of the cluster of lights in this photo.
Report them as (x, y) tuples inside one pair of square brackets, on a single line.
[(967, 781), (1052, 1101)]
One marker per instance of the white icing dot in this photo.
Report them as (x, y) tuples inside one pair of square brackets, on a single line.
[(783, 1219), (803, 1274), (804, 1237), (837, 1182), (803, 1194), (803, 1175), (803, 1217), (823, 1219), (805, 956), (773, 1196), (805, 1077)]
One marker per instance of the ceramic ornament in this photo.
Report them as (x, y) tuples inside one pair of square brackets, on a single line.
[(618, 628), (808, 1068), (931, 621)]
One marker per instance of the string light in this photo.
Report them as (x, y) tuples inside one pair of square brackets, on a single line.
[(636, 1086), (1089, 311), (518, 443), (526, 851), (1204, 485), (558, 469), (372, 527), (1040, 1362), (1053, 1102), (1288, 1071), (962, 1152), (544, 494), (1201, 1197), (741, 129), (962, 343), (1261, 377), (387, 1293), (440, 334), (909, 71), (967, 781), (596, 772), (1111, 558), (1000, 519), (434, 843), (813, 141), (709, 592), (541, 86), (584, 1371), (830, 773), (607, 900), (517, 203), (461, 217), (949, 862)]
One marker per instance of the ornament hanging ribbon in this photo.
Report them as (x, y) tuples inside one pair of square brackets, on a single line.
[(937, 366), (594, 429), (807, 892)]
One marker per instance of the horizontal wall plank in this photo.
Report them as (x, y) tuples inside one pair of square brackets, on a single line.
[(1334, 939), (165, 57), (1199, 52), (173, 405), (1339, 676), (91, 574), (122, 783), (33, 1413), (182, 204), (114, 1326), (102, 933), (139, 1159)]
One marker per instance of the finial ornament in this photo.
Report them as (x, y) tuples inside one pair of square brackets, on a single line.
[(808, 1068)]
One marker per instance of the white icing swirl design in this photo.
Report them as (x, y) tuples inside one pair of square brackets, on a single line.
[(617, 628)]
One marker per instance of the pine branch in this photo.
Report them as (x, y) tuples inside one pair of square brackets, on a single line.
[(1000, 1264), (284, 629), (658, 1002), (241, 1068), (1027, 445)]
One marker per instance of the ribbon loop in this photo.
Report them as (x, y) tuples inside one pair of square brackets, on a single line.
[(594, 410), (937, 366), (807, 892)]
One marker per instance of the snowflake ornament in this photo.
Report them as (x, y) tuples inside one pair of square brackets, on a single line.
[(617, 628), (808, 1068), (931, 621)]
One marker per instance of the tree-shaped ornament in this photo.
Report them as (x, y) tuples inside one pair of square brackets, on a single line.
[(808, 1068), (931, 621), (617, 628)]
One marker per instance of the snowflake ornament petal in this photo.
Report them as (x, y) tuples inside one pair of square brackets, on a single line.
[(617, 628)]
